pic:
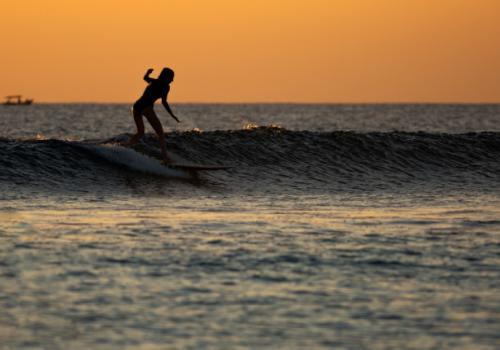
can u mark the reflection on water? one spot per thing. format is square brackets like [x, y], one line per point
[358, 237]
[291, 272]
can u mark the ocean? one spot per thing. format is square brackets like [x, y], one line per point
[337, 227]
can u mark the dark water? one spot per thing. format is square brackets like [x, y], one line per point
[339, 226]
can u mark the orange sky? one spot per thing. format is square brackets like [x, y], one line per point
[253, 50]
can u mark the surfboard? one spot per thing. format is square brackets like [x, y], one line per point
[197, 167]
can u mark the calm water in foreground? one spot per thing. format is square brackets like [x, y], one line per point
[341, 226]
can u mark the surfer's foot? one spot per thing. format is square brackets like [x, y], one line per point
[132, 140]
[166, 158]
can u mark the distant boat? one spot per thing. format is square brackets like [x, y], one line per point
[16, 100]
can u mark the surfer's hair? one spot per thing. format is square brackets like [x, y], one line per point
[166, 74]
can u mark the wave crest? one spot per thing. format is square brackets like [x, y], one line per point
[270, 154]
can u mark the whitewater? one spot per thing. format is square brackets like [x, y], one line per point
[338, 226]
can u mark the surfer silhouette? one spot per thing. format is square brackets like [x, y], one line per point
[157, 88]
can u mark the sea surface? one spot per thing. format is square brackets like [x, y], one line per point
[337, 227]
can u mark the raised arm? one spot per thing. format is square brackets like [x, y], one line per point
[146, 76]
[167, 107]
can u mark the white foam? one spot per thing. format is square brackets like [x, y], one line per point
[134, 160]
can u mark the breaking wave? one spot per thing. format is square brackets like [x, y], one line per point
[268, 155]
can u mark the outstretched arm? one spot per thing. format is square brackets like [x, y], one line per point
[167, 107]
[146, 76]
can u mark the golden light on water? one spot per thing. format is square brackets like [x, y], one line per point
[83, 225]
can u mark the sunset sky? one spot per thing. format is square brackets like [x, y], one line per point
[253, 50]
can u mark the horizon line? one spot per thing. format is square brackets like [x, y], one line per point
[291, 103]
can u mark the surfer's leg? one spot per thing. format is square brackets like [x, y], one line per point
[139, 123]
[156, 124]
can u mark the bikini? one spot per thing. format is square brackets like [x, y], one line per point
[153, 91]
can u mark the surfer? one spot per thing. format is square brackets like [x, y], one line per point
[157, 88]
